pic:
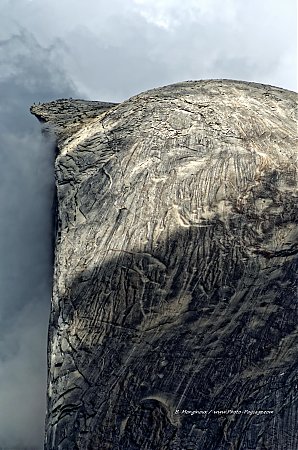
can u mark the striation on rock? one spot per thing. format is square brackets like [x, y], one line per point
[174, 320]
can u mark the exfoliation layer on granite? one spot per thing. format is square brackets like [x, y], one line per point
[175, 313]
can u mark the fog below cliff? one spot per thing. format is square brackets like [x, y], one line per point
[26, 197]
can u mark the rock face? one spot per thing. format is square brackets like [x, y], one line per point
[174, 322]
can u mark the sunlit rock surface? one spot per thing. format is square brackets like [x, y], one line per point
[174, 322]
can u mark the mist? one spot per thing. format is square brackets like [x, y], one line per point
[26, 198]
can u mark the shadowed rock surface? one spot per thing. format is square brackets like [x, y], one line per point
[175, 271]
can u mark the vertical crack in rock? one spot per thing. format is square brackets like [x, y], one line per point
[174, 311]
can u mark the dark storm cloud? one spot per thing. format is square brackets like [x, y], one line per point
[28, 73]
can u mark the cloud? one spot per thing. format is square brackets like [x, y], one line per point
[28, 73]
[116, 49]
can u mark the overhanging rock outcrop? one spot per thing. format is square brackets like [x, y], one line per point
[174, 312]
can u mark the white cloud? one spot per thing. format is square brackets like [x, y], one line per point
[115, 49]
[173, 12]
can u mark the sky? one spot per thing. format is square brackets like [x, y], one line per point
[109, 51]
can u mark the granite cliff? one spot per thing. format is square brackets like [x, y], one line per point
[174, 319]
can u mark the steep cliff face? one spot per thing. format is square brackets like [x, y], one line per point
[174, 312]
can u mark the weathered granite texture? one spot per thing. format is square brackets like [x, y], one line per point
[65, 117]
[175, 271]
